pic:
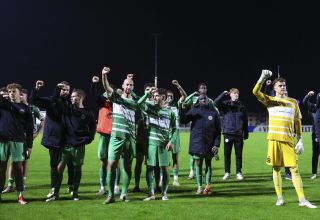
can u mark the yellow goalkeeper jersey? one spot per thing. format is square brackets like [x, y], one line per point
[284, 116]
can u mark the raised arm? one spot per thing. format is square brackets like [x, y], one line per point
[105, 82]
[7, 104]
[318, 101]
[130, 76]
[218, 99]
[181, 90]
[306, 101]
[99, 98]
[34, 96]
[94, 87]
[146, 95]
[189, 98]
[257, 89]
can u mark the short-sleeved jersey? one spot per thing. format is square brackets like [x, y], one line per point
[123, 115]
[283, 116]
[162, 124]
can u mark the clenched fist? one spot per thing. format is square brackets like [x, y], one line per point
[311, 93]
[95, 79]
[39, 84]
[105, 70]
[265, 74]
[130, 76]
[175, 82]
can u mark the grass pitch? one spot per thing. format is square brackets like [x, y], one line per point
[252, 198]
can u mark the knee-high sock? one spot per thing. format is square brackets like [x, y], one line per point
[208, 175]
[191, 163]
[297, 182]
[175, 166]
[126, 176]
[3, 170]
[208, 170]
[165, 181]
[111, 175]
[77, 178]
[10, 181]
[199, 172]
[117, 180]
[176, 172]
[150, 170]
[102, 176]
[277, 181]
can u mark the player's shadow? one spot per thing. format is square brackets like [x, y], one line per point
[232, 193]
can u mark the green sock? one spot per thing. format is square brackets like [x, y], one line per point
[191, 163]
[165, 181]
[102, 176]
[175, 172]
[199, 175]
[150, 179]
[208, 175]
[110, 180]
[10, 182]
[126, 177]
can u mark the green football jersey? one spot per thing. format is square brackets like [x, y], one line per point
[175, 110]
[124, 116]
[162, 123]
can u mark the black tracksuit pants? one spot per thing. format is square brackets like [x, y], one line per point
[237, 142]
[55, 154]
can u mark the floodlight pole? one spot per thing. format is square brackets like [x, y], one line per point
[156, 59]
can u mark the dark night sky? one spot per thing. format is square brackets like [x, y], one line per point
[222, 44]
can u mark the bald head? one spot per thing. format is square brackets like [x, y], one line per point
[127, 86]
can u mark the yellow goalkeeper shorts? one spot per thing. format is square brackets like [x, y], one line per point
[281, 154]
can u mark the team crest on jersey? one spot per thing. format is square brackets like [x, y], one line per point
[83, 117]
[210, 117]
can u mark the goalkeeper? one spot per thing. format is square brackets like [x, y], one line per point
[284, 119]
